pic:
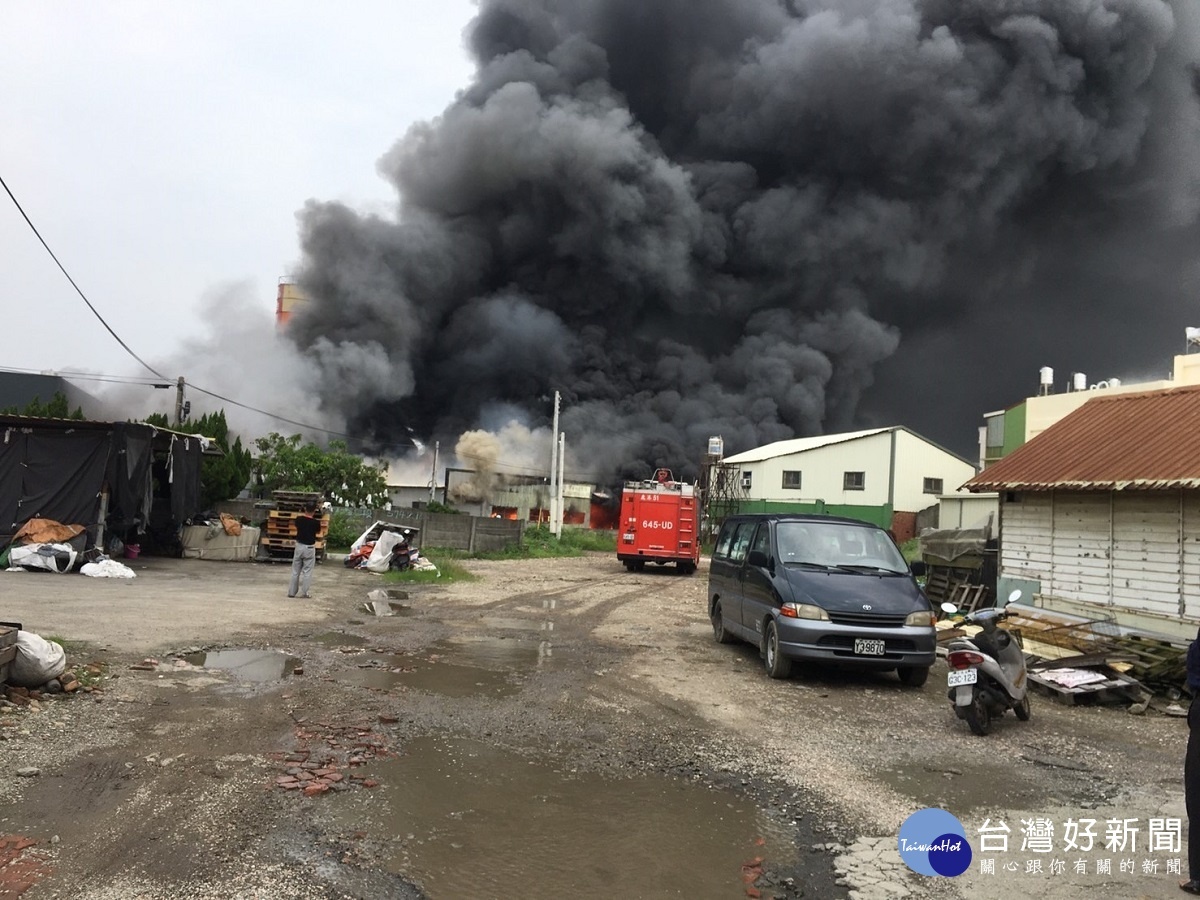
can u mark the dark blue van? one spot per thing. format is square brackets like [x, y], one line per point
[821, 589]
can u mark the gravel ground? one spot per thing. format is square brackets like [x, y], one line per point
[162, 785]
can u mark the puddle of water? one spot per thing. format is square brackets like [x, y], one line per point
[506, 622]
[468, 668]
[490, 651]
[339, 639]
[962, 787]
[467, 819]
[249, 665]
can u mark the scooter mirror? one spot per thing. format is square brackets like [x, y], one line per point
[1014, 596]
[949, 608]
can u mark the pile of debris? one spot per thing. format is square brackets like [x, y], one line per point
[1076, 660]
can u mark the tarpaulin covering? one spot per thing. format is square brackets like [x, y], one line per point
[53, 469]
[51, 474]
[46, 531]
[130, 489]
[962, 547]
[185, 477]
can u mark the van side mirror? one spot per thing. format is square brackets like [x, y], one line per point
[759, 558]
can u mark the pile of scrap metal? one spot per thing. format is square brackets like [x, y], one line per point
[1076, 660]
[388, 546]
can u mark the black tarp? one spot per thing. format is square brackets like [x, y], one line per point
[129, 482]
[55, 469]
[51, 474]
[185, 477]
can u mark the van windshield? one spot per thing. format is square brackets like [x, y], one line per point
[834, 545]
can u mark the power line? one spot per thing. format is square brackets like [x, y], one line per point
[62, 269]
[148, 367]
[270, 415]
[126, 347]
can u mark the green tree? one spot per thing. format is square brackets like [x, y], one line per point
[57, 408]
[284, 464]
[221, 477]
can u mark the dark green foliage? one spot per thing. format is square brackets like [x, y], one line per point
[344, 529]
[57, 408]
[342, 477]
[221, 477]
[436, 507]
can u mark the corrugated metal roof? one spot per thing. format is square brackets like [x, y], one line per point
[7, 420]
[1142, 441]
[799, 445]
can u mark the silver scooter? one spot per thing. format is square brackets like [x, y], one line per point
[987, 671]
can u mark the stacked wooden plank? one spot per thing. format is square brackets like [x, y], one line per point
[8, 649]
[279, 531]
[1152, 661]
[1106, 687]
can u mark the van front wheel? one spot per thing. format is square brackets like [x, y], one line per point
[913, 676]
[778, 665]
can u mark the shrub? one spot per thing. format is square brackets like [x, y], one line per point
[344, 529]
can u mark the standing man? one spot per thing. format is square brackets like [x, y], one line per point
[304, 557]
[1191, 770]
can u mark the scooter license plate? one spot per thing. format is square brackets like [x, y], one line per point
[868, 648]
[966, 676]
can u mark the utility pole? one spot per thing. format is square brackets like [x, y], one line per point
[433, 478]
[554, 466]
[562, 456]
[179, 402]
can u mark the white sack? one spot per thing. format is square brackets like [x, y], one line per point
[43, 556]
[381, 557]
[37, 661]
[107, 568]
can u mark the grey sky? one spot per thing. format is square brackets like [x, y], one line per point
[163, 150]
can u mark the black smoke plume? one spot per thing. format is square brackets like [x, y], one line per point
[765, 219]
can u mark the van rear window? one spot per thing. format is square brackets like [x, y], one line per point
[741, 541]
[724, 541]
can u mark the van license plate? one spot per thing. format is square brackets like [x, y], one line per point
[966, 676]
[868, 648]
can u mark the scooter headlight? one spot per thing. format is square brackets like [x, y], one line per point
[921, 617]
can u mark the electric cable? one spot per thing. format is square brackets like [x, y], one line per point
[62, 269]
[159, 375]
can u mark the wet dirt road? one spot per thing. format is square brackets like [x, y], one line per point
[554, 728]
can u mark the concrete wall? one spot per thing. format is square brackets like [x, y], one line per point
[968, 511]
[918, 460]
[471, 533]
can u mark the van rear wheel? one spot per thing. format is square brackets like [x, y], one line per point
[778, 665]
[720, 635]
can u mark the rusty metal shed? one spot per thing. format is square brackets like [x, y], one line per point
[1100, 513]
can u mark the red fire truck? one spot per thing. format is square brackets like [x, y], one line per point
[660, 523]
